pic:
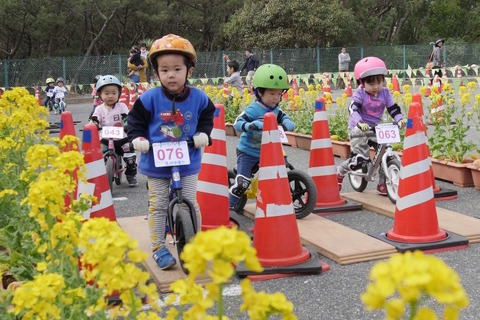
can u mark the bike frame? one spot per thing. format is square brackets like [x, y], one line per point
[115, 157]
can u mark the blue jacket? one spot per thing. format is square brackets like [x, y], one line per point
[152, 117]
[251, 141]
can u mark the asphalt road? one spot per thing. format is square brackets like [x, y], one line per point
[334, 294]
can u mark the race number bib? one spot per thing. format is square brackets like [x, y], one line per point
[112, 132]
[50, 94]
[169, 154]
[387, 133]
[283, 136]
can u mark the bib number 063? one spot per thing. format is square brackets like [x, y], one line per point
[169, 154]
[387, 133]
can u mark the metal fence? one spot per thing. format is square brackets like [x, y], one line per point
[34, 72]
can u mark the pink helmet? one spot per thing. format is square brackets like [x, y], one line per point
[369, 66]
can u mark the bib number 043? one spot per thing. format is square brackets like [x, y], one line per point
[387, 133]
[169, 154]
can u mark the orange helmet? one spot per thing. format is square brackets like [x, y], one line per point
[172, 43]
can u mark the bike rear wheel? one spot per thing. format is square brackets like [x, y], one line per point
[183, 232]
[304, 193]
[393, 171]
[243, 199]
[109, 167]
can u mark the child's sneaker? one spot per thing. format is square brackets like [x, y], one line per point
[382, 189]
[132, 181]
[340, 180]
[164, 258]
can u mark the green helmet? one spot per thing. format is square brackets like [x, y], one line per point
[270, 76]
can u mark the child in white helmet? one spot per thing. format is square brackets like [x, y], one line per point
[114, 114]
[50, 93]
[59, 91]
[366, 109]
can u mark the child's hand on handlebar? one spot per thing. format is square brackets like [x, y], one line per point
[402, 123]
[200, 139]
[363, 126]
[141, 144]
[255, 125]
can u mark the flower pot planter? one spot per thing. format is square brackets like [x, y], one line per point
[475, 175]
[457, 173]
[292, 138]
[229, 129]
[341, 149]
[303, 141]
[237, 133]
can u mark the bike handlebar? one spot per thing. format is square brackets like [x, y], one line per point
[190, 143]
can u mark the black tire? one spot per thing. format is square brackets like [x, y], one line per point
[50, 105]
[358, 183]
[183, 233]
[393, 170]
[118, 179]
[243, 200]
[304, 193]
[109, 167]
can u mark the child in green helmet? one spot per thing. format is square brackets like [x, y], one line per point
[269, 84]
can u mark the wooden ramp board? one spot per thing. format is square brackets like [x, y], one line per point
[137, 228]
[448, 220]
[336, 242]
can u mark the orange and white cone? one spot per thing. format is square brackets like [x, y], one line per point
[276, 237]
[348, 89]
[212, 186]
[326, 88]
[322, 165]
[459, 72]
[225, 91]
[140, 90]
[416, 223]
[439, 193]
[37, 95]
[428, 91]
[396, 85]
[96, 175]
[133, 96]
[124, 98]
[436, 83]
[295, 87]
[67, 128]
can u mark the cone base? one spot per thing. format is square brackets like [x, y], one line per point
[444, 194]
[230, 224]
[451, 242]
[311, 265]
[348, 205]
[325, 268]
[330, 204]
[287, 261]
[439, 236]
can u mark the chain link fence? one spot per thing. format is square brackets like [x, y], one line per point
[81, 71]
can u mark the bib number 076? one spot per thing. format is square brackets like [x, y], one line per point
[169, 154]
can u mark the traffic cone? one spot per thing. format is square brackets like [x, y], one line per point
[133, 96]
[436, 83]
[348, 89]
[461, 85]
[295, 87]
[396, 85]
[459, 72]
[37, 95]
[276, 237]
[439, 193]
[212, 186]
[427, 73]
[322, 166]
[243, 85]
[124, 98]
[140, 90]
[428, 91]
[416, 223]
[225, 91]
[96, 174]
[67, 127]
[327, 87]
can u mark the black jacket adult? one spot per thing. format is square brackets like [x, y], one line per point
[251, 63]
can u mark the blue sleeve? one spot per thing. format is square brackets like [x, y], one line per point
[205, 121]
[138, 119]
[284, 120]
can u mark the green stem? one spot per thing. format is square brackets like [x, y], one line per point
[220, 301]
[134, 308]
[413, 306]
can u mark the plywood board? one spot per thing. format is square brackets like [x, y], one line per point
[339, 243]
[137, 228]
[448, 220]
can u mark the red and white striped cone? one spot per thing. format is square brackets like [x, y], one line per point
[212, 186]
[439, 193]
[416, 223]
[396, 85]
[436, 83]
[428, 91]
[96, 174]
[67, 127]
[348, 88]
[276, 237]
[140, 90]
[326, 88]
[322, 166]
[295, 87]
[225, 91]
[124, 97]
[37, 95]
[459, 72]
[133, 96]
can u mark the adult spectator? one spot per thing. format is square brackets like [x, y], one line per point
[343, 60]
[438, 62]
[137, 65]
[250, 66]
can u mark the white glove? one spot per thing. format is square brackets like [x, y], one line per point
[200, 139]
[141, 144]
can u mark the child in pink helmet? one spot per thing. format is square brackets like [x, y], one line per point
[366, 109]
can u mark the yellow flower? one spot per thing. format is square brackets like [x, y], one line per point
[425, 313]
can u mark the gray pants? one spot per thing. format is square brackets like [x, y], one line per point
[249, 79]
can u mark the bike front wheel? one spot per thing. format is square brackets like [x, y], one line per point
[183, 233]
[358, 183]
[304, 193]
[393, 171]
[110, 168]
